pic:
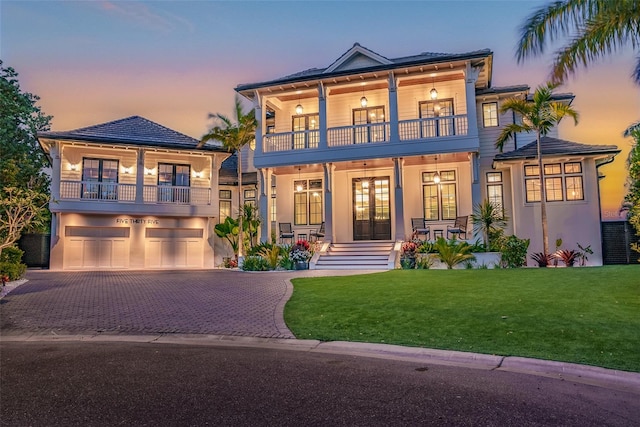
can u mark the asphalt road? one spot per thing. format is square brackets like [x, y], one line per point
[146, 384]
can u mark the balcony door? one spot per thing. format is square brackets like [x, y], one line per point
[440, 121]
[305, 131]
[173, 183]
[99, 179]
[368, 125]
[371, 209]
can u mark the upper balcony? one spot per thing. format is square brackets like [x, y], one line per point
[367, 106]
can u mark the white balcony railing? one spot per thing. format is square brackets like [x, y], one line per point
[436, 127]
[152, 194]
[177, 195]
[97, 191]
[299, 140]
[358, 134]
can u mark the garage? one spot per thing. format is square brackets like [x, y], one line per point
[174, 247]
[96, 247]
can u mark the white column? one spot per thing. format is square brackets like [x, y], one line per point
[265, 200]
[140, 178]
[260, 117]
[474, 166]
[55, 153]
[322, 117]
[471, 76]
[329, 170]
[398, 172]
[393, 109]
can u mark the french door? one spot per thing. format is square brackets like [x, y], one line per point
[371, 209]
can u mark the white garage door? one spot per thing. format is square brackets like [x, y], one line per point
[96, 247]
[174, 247]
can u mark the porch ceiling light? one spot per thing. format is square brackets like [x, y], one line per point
[436, 177]
[434, 92]
[363, 100]
[365, 181]
[299, 187]
[299, 109]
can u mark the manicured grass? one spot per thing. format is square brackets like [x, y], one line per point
[581, 315]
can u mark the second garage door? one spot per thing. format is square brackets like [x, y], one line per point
[174, 247]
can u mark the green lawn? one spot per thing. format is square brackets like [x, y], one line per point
[580, 315]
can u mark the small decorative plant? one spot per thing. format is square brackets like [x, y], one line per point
[453, 252]
[514, 252]
[408, 255]
[542, 259]
[567, 256]
[582, 254]
[300, 251]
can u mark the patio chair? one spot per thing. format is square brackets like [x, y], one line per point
[286, 232]
[420, 228]
[314, 235]
[459, 227]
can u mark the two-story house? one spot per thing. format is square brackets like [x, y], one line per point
[368, 143]
[132, 194]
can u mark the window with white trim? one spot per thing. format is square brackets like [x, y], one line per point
[225, 204]
[490, 114]
[307, 202]
[439, 199]
[563, 181]
[495, 190]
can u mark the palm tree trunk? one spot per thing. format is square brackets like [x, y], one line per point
[543, 200]
[240, 203]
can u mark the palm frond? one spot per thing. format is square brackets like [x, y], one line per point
[507, 133]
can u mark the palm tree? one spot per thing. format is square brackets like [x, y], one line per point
[539, 115]
[489, 219]
[234, 136]
[595, 28]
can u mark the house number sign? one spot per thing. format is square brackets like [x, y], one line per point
[137, 221]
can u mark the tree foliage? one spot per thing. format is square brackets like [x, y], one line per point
[594, 28]
[24, 187]
[234, 135]
[538, 116]
[633, 195]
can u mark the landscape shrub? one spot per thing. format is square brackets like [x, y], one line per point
[453, 252]
[11, 254]
[255, 263]
[514, 252]
[13, 270]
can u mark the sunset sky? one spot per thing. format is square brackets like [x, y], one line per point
[174, 62]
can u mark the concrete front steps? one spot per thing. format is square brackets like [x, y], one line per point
[369, 255]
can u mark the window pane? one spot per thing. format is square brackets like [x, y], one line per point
[449, 210]
[490, 114]
[183, 175]
[225, 209]
[225, 194]
[315, 184]
[553, 169]
[574, 188]
[250, 194]
[90, 170]
[300, 208]
[315, 207]
[165, 174]
[553, 189]
[273, 210]
[430, 200]
[428, 176]
[533, 190]
[494, 194]
[573, 167]
[362, 201]
[300, 185]
[447, 176]
[109, 171]
[531, 170]
[381, 188]
[494, 176]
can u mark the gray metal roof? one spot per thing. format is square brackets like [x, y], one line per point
[556, 147]
[134, 130]
[503, 89]
[314, 73]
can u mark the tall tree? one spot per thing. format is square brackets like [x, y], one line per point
[594, 27]
[539, 115]
[234, 135]
[633, 194]
[24, 186]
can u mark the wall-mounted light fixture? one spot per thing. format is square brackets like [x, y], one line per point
[127, 170]
[197, 174]
[148, 171]
[73, 166]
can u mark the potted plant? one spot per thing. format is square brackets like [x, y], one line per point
[300, 254]
[408, 256]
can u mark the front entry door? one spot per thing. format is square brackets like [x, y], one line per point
[371, 209]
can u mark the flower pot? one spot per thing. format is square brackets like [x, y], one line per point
[302, 265]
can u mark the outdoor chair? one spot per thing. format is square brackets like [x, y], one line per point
[459, 227]
[420, 228]
[315, 235]
[286, 232]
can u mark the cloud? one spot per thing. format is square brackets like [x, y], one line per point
[141, 14]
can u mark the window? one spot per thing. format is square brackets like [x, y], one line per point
[176, 178]
[305, 131]
[495, 190]
[250, 197]
[307, 202]
[225, 204]
[490, 114]
[99, 179]
[562, 182]
[369, 124]
[439, 200]
[438, 113]
[274, 217]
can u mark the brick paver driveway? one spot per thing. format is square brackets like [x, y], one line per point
[216, 302]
